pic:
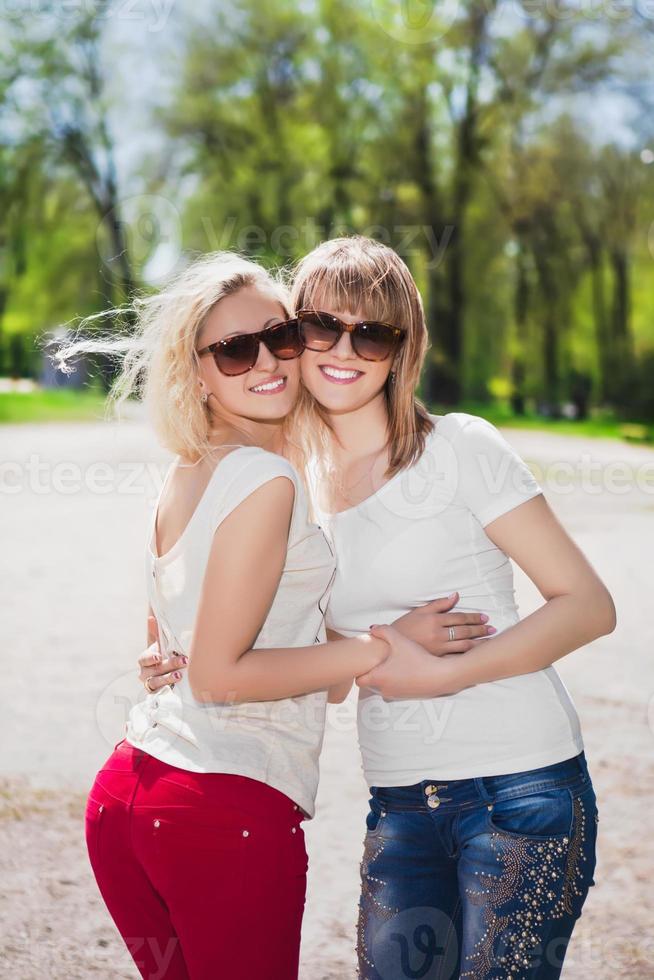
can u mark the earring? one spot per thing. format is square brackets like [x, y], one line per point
[391, 377]
[204, 397]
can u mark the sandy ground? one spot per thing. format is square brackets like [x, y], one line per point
[75, 500]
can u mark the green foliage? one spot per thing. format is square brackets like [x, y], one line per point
[51, 406]
[457, 143]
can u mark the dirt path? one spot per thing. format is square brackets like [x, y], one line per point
[75, 502]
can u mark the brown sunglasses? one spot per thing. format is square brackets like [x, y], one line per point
[371, 340]
[238, 354]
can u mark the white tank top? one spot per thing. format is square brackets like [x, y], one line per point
[276, 742]
[421, 536]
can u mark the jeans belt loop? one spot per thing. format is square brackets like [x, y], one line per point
[481, 789]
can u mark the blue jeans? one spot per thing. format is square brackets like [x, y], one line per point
[476, 878]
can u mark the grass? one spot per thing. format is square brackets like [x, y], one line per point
[599, 425]
[57, 405]
[67, 405]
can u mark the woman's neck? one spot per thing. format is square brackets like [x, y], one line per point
[249, 432]
[362, 432]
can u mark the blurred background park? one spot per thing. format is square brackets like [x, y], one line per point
[506, 150]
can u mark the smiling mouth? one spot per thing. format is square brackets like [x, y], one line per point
[272, 387]
[340, 376]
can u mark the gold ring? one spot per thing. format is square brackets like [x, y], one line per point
[147, 685]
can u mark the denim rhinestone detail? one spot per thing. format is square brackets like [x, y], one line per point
[370, 886]
[533, 879]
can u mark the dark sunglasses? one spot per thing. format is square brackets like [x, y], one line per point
[238, 354]
[371, 340]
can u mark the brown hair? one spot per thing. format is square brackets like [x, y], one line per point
[365, 277]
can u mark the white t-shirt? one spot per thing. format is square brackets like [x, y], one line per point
[276, 742]
[421, 536]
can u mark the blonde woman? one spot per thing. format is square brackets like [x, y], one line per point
[480, 842]
[193, 823]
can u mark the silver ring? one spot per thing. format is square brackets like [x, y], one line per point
[450, 631]
[147, 685]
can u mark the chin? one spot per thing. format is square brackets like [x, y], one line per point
[272, 408]
[337, 399]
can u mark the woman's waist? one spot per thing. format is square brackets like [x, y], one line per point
[517, 712]
[430, 794]
[178, 779]
[300, 719]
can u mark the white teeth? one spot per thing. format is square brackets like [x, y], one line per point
[341, 375]
[270, 385]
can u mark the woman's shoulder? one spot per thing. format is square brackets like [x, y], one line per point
[491, 476]
[247, 468]
[242, 471]
[255, 459]
[453, 423]
[467, 433]
[469, 438]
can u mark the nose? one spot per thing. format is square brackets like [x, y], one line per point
[265, 360]
[343, 350]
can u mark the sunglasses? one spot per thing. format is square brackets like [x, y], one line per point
[238, 354]
[371, 340]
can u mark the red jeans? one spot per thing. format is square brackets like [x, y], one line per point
[204, 874]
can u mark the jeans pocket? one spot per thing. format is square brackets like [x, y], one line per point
[544, 815]
[375, 819]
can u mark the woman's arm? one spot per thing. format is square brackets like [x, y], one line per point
[578, 609]
[245, 565]
[337, 693]
[152, 631]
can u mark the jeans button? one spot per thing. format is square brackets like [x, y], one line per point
[433, 802]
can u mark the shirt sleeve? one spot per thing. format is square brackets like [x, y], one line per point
[492, 478]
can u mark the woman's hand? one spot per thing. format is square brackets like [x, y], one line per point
[160, 671]
[157, 670]
[429, 625]
[409, 671]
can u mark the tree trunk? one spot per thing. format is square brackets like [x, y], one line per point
[620, 323]
[520, 313]
[602, 337]
[550, 338]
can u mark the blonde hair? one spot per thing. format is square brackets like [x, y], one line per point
[364, 277]
[157, 354]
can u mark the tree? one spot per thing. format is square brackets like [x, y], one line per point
[55, 94]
